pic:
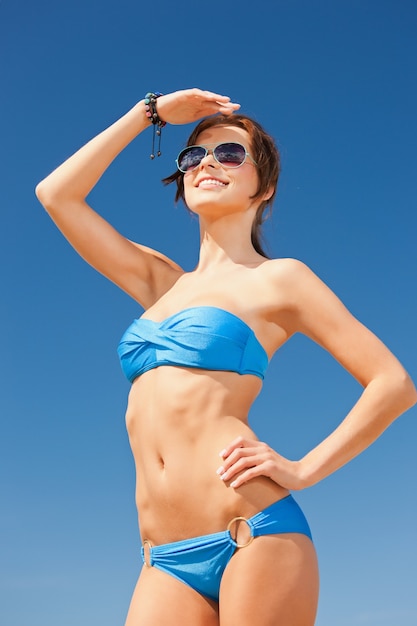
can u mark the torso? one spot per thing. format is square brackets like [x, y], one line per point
[179, 419]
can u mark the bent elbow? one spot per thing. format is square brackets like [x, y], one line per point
[412, 392]
[41, 192]
[406, 390]
[45, 196]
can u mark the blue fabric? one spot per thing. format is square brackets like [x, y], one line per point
[201, 561]
[203, 337]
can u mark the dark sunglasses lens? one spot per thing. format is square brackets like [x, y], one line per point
[230, 154]
[190, 157]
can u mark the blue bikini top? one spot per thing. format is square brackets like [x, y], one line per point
[202, 337]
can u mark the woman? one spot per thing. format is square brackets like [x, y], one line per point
[223, 541]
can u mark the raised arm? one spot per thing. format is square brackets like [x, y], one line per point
[388, 390]
[140, 271]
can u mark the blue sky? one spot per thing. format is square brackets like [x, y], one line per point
[335, 83]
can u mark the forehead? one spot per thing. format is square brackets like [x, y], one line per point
[219, 134]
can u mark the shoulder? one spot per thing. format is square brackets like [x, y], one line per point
[289, 274]
[284, 266]
[297, 289]
[314, 309]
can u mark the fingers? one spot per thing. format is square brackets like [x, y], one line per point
[249, 474]
[208, 95]
[189, 105]
[243, 460]
[248, 466]
[217, 97]
[236, 462]
[229, 108]
[222, 104]
[209, 103]
[239, 442]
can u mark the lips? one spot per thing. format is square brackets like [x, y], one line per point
[207, 182]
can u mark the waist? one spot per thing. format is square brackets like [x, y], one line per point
[178, 491]
[177, 513]
[178, 421]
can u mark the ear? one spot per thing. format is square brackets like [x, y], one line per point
[268, 194]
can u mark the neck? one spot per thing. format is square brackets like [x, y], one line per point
[227, 241]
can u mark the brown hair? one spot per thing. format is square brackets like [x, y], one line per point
[263, 151]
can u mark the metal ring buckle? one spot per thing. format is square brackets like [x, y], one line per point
[149, 545]
[240, 519]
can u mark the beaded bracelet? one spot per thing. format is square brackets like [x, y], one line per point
[158, 124]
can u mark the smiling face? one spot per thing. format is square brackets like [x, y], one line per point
[263, 150]
[214, 189]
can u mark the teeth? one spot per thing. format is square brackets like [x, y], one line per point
[212, 181]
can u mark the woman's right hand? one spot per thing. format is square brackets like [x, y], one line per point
[189, 105]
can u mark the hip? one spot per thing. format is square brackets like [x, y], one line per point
[174, 504]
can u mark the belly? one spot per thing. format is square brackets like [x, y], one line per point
[178, 421]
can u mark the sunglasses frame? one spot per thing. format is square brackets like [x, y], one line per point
[212, 150]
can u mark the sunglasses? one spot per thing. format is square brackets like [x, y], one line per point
[227, 154]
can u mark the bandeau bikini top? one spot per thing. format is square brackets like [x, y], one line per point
[202, 337]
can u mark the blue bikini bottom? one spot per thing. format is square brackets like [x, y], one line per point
[200, 562]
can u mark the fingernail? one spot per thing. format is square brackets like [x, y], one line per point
[233, 484]
[220, 471]
[222, 453]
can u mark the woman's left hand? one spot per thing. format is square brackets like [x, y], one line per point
[245, 459]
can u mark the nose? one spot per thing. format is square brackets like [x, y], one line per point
[208, 159]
